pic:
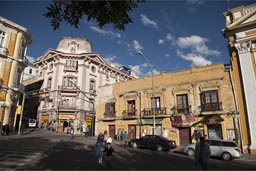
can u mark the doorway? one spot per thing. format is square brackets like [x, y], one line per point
[112, 130]
[184, 135]
[132, 131]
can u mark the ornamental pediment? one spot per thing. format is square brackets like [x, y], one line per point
[247, 17]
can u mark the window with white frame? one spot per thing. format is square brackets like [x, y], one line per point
[71, 64]
[70, 81]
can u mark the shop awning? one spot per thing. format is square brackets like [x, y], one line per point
[210, 119]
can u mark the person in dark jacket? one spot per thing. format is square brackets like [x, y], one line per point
[202, 154]
[108, 150]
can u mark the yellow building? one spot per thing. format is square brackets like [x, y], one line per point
[14, 40]
[198, 99]
[241, 34]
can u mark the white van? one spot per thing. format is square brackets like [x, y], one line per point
[31, 123]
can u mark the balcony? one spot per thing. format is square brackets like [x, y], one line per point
[177, 110]
[68, 106]
[211, 107]
[182, 120]
[129, 114]
[71, 69]
[158, 111]
[109, 115]
[68, 88]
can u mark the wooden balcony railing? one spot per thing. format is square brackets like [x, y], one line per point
[178, 110]
[211, 107]
[158, 111]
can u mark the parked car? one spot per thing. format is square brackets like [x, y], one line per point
[154, 142]
[226, 150]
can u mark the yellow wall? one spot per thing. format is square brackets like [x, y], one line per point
[167, 85]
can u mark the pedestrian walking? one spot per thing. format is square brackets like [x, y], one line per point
[125, 139]
[108, 150]
[84, 129]
[99, 151]
[100, 137]
[105, 138]
[118, 135]
[6, 129]
[202, 154]
[122, 134]
[72, 132]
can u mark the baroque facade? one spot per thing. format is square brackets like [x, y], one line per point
[241, 34]
[71, 75]
[14, 40]
[186, 102]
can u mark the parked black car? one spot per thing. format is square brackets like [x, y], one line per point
[154, 142]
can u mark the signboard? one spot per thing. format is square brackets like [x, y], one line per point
[88, 120]
[18, 110]
[125, 70]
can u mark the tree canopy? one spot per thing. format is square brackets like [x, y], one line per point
[104, 12]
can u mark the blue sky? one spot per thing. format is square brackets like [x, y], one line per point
[173, 35]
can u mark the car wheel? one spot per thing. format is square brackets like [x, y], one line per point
[226, 156]
[191, 152]
[159, 148]
[134, 145]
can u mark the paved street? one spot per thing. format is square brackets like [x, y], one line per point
[45, 150]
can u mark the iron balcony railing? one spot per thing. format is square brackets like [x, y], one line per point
[129, 113]
[158, 111]
[64, 87]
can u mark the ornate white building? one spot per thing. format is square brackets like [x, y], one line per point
[72, 73]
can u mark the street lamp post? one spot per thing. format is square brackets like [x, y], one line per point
[153, 90]
[234, 116]
[22, 110]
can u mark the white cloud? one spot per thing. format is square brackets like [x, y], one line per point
[30, 59]
[136, 69]
[105, 32]
[137, 46]
[167, 55]
[196, 60]
[110, 58]
[171, 38]
[155, 72]
[160, 41]
[140, 69]
[197, 44]
[147, 22]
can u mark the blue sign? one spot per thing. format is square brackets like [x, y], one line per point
[125, 70]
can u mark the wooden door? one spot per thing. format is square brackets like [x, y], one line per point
[112, 131]
[184, 135]
[132, 131]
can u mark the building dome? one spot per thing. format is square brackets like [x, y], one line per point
[74, 45]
